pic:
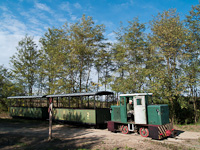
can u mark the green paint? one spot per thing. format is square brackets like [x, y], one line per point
[90, 116]
[103, 115]
[37, 112]
[115, 113]
[119, 113]
[123, 110]
[158, 114]
[75, 115]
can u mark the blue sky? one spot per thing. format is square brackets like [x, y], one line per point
[34, 17]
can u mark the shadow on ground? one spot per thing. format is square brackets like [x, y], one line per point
[178, 132]
[9, 141]
[31, 135]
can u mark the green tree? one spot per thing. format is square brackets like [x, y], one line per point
[68, 55]
[168, 39]
[7, 88]
[85, 38]
[192, 63]
[107, 67]
[104, 66]
[24, 63]
[52, 61]
[128, 57]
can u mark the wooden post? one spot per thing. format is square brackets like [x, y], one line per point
[106, 101]
[69, 101]
[94, 103]
[57, 102]
[88, 102]
[81, 101]
[77, 100]
[50, 117]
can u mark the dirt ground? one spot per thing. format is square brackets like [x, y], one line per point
[32, 134]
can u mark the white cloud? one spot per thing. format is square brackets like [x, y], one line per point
[33, 21]
[43, 7]
[11, 24]
[108, 24]
[73, 17]
[8, 44]
[66, 7]
[77, 5]
[62, 19]
[150, 7]
[4, 8]
[38, 21]
[12, 30]
[112, 37]
[127, 4]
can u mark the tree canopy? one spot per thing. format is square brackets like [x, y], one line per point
[164, 60]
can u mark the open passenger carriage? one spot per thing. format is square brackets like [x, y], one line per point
[85, 108]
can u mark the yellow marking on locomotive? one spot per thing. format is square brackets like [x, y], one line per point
[163, 128]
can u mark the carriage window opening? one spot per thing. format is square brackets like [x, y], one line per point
[139, 101]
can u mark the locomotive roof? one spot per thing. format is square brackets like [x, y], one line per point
[136, 94]
[63, 95]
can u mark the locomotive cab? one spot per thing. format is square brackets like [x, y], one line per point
[132, 108]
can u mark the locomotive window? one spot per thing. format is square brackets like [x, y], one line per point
[139, 101]
[122, 101]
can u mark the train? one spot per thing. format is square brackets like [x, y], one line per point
[132, 113]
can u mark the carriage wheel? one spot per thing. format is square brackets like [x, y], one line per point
[144, 132]
[124, 129]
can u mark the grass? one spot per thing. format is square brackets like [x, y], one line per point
[21, 144]
[171, 146]
[128, 148]
[188, 127]
[116, 148]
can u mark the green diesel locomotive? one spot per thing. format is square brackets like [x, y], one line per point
[134, 114]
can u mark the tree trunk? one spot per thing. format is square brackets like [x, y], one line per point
[195, 106]
[195, 111]
[88, 80]
[50, 119]
[80, 81]
[172, 110]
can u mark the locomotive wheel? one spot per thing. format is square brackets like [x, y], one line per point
[124, 129]
[144, 132]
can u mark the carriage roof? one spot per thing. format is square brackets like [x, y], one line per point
[63, 95]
